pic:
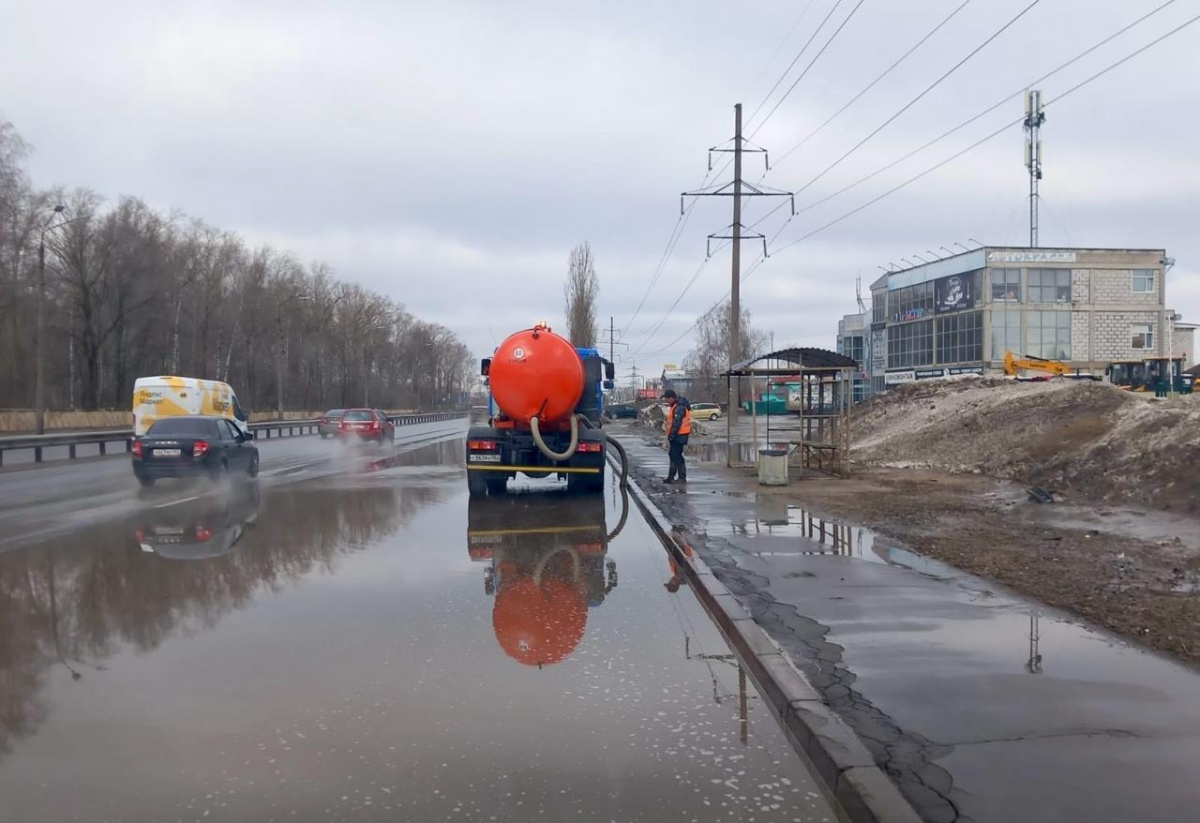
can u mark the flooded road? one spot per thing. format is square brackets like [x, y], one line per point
[371, 645]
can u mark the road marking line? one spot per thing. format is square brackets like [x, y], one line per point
[177, 502]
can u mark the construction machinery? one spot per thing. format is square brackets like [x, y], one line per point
[1046, 368]
[1152, 374]
[545, 414]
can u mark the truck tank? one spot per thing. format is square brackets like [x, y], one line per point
[537, 373]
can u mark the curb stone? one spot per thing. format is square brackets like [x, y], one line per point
[841, 760]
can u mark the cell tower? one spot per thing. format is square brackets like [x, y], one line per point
[1035, 115]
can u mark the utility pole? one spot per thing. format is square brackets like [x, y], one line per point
[612, 341]
[1035, 115]
[737, 189]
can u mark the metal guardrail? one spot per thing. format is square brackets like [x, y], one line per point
[39, 442]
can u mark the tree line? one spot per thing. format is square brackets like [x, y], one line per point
[130, 291]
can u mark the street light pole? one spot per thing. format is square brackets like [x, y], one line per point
[39, 388]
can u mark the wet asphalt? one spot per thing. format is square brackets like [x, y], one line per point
[351, 638]
[980, 704]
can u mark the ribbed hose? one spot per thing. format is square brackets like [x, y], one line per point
[546, 450]
[616, 444]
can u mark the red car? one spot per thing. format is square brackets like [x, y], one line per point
[367, 424]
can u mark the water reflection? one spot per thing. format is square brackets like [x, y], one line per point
[546, 565]
[77, 600]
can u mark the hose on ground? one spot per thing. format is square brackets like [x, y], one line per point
[546, 450]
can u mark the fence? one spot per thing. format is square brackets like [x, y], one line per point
[103, 439]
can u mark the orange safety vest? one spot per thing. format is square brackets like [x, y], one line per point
[685, 427]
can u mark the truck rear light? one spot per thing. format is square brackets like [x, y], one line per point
[590, 447]
[200, 448]
[202, 534]
[137, 449]
[483, 445]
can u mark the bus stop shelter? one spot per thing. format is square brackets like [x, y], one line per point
[819, 386]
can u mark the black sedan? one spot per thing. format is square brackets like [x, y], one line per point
[192, 446]
[620, 410]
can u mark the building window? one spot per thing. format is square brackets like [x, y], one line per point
[1048, 334]
[1143, 281]
[1006, 285]
[1049, 285]
[1006, 333]
[911, 302]
[910, 345]
[879, 308]
[1143, 336]
[960, 338]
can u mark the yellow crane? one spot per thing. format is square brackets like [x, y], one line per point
[1013, 366]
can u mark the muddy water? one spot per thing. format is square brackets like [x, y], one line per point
[375, 646]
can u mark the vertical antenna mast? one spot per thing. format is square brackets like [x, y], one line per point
[1035, 115]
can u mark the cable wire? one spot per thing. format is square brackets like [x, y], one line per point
[795, 60]
[811, 63]
[873, 83]
[916, 99]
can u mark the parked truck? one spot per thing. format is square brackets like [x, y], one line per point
[545, 414]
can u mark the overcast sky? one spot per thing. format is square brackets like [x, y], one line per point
[450, 154]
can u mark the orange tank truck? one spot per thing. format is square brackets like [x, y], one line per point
[545, 414]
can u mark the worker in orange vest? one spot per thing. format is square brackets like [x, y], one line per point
[678, 426]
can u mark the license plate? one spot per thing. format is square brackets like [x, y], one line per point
[484, 458]
[167, 452]
[167, 530]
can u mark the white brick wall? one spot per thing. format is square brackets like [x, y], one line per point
[1111, 335]
[1116, 286]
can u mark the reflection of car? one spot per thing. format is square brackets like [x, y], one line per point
[192, 446]
[706, 411]
[546, 557]
[194, 531]
[366, 424]
[619, 410]
[327, 426]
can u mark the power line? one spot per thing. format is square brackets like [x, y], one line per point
[795, 25]
[811, 63]
[991, 136]
[874, 82]
[916, 99]
[978, 116]
[758, 262]
[795, 60]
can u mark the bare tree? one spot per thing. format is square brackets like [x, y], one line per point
[581, 289]
[132, 292]
[710, 356]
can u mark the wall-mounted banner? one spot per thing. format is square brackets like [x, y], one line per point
[1031, 257]
[954, 293]
[895, 378]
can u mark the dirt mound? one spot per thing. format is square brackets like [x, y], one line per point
[1088, 440]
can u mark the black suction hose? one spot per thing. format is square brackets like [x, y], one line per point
[616, 444]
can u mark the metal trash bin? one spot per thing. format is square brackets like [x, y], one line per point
[772, 467]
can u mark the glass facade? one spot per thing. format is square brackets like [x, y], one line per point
[911, 303]
[1006, 285]
[910, 344]
[960, 338]
[1049, 285]
[1048, 334]
[1006, 333]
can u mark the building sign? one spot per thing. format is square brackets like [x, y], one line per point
[895, 378]
[878, 351]
[954, 293]
[942, 371]
[1031, 257]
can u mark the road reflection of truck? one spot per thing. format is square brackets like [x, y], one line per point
[198, 530]
[547, 564]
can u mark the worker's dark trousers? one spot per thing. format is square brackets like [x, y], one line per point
[675, 453]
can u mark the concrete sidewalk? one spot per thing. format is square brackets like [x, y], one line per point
[981, 706]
